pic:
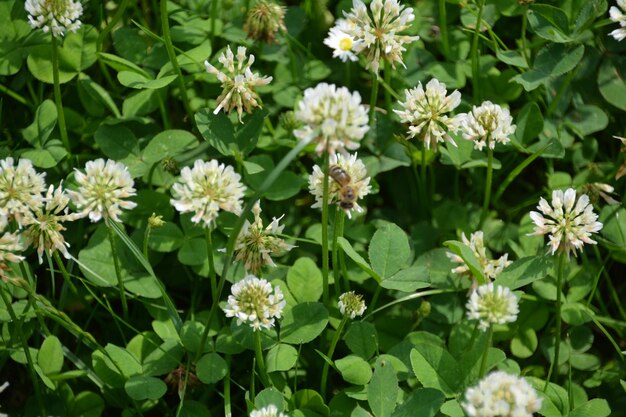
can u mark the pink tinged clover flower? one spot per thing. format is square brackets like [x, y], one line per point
[569, 223]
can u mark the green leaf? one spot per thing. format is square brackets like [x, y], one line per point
[217, 130]
[303, 323]
[286, 186]
[117, 142]
[549, 22]
[524, 343]
[14, 39]
[587, 119]
[358, 259]
[87, 404]
[91, 92]
[166, 238]
[434, 367]
[354, 369]
[305, 280]
[592, 408]
[165, 358]
[423, 402]
[211, 368]
[281, 357]
[389, 250]
[310, 400]
[382, 391]
[466, 253]
[529, 122]
[407, 280]
[576, 314]
[134, 80]
[121, 64]
[168, 144]
[362, 339]
[612, 81]
[525, 271]
[247, 133]
[191, 334]
[50, 356]
[552, 61]
[270, 396]
[140, 387]
[39, 131]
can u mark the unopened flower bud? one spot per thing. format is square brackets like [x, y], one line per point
[264, 20]
[155, 221]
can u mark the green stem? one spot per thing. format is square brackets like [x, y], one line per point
[116, 18]
[339, 221]
[167, 38]
[213, 19]
[525, 53]
[488, 181]
[483, 362]
[209, 253]
[388, 83]
[373, 99]
[443, 27]
[424, 184]
[474, 53]
[66, 275]
[557, 337]
[15, 96]
[329, 355]
[227, 402]
[118, 272]
[146, 239]
[325, 192]
[57, 97]
[29, 359]
[260, 361]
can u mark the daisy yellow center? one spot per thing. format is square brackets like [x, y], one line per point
[345, 44]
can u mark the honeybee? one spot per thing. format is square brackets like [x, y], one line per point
[347, 192]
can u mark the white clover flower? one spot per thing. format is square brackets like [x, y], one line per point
[44, 225]
[619, 16]
[569, 223]
[491, 267]
[351, 304]
[342, 44]
[333, 117]
[377, 33]
[54, 16]
[238, 82]
[501, 395]
[487, 124]
[206, 189]
[265, 20]
[102, 191]
[20, 189]
[256, 245]
[425, 112]
[348, 190]
[256, 302]
[10, 246]
[492, 304]
[267, 411]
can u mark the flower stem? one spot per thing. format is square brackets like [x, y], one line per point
[488, 181]
[339, 221]
[146, 239]
[483, 362]
[557, 326]
[214, 18]
[474, 52]
[260, 361]
[374, 98]
[443, 27]
[388, 83]
[118, 272]
[29, 359]
[57, 97]
[329, 355]
[209, 253]
[426, 202]
[325, 230]
[66, 275]
[227, 402]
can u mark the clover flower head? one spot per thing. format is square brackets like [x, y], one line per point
[103, 190]
[619, 16]
[568, 222]
[265, 20]
[487, 124]
[45, 224]
[238, 82]
[267, 411]
[10, 247]
[332, 117]
[347, 183]
[377, 32]
[206, 189]
[491, 267]
[256, 245]
[342, 44]
[20, 189]
[501, 395]
[492, 304]
[256, 302]
[54, 16]
[425, 113]
[351, 304]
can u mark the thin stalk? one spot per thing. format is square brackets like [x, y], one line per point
[227, 402]
[182, 394]
[167, 39]
[474, 53]
[17, 97]
[57, 97]
[443, 28]
[557, 325]
[214, 18]
[118, 272]
[329, 355]
[488, 181]
[483, 362]
[260, 361]
[66, 275]
[209, 253]
[325, 268]
[23, 341]
[424, 184]
[146, 239]
[112, 23]
[374, 98]
[387, 82]
[339, 221]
